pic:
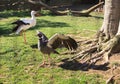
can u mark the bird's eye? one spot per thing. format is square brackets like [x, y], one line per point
[39, 35]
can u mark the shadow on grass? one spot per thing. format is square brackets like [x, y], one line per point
[34, 46]
[7, 14]
[2, 53]
[45, 23]
[75, 65]
[5, 30]
[98, 17]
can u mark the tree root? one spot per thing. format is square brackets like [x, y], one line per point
[111, 79]
[89, 41]
[84, 53]
[89, 56]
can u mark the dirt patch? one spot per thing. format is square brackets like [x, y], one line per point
[106, 70]
[103, 70]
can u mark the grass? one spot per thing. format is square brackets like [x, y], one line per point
[19, 62]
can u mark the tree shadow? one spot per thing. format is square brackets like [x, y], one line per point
[44, 23]
[34, 46]
[75, 66]
[5, 31]
[2, 53]
[98, 17]
[40, 24]
[7, 14]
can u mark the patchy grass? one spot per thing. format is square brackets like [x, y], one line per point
[19, 62]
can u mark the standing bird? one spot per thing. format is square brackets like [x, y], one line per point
[24, 24]
[48, 46]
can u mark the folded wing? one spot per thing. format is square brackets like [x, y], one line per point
[18, 24]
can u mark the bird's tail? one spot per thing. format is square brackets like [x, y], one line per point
[14, 22]
[15, 29]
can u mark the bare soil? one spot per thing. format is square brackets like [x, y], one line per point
[105, 70]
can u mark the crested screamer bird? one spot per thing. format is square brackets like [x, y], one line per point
[48, 46]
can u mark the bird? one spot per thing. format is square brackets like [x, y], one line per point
[24, 24]
[48, 46]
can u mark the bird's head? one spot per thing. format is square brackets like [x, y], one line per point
[35, 13]
[39, 34]
[42, 36]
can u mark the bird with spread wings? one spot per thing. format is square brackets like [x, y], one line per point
[48, 46]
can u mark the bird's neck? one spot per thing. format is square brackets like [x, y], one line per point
[43, 42]
[32, 16]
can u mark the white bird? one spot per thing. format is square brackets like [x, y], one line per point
[24, 24]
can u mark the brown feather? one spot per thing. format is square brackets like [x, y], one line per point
[56, 40]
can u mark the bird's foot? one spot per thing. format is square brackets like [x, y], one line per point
[45, 64]
[41, 65]
[51, 64]
[25, 43]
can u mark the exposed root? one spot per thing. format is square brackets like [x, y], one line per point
[85, 53]
[111, 79]
[86, 40]
[90, 41]
[89, 56]
[68, 52]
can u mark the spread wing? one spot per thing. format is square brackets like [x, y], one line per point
[58, 39]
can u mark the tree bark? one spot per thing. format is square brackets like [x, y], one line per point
[109, 37]
[108, 40]
[111, 18]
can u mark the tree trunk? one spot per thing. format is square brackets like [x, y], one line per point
[108, 39]
[111, 18]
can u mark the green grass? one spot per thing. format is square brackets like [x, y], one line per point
[19, 62]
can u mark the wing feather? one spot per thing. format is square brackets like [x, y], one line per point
[54, 41]
[18, 24]
[73, 43]
[66, 44]
[58, 39]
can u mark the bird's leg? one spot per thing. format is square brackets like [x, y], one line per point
[49, 60]
[21, 33]
[43, 63]
[25, 38]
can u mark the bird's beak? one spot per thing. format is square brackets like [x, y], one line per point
[37, 31]
[37, 34]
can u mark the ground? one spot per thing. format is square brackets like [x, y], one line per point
[105, 71]
[19, 62]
